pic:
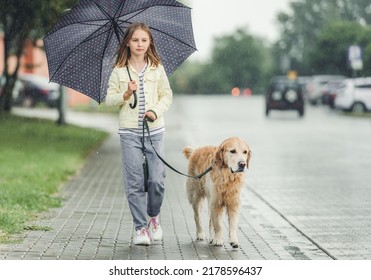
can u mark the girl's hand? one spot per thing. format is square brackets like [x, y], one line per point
[150, 115]
[132, 86]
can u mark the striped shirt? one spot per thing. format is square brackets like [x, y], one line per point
[142, 110]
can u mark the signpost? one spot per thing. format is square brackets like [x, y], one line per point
[355, 58]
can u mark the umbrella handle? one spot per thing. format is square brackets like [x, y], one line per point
[132, 106]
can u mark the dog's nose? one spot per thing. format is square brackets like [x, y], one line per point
[241, 165]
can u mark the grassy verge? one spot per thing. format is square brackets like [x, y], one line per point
[36, 157]
[102, 108]
[359, 115]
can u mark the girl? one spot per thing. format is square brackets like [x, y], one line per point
[137, 55]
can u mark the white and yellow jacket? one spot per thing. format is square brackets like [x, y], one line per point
[157, 91]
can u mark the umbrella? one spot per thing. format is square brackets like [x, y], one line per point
[81, 48]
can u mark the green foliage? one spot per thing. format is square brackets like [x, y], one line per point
[36, 157]
[238, 60]
[329, 54]
[184, 79]
[30, 19]
[19, 21]
[301, 28]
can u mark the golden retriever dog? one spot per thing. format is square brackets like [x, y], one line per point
[221, 186]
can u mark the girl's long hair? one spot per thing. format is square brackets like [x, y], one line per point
[124, 54]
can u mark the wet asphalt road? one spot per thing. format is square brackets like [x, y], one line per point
[314, 172]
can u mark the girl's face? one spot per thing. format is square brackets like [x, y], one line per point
[139, 43]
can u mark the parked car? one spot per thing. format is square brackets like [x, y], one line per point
[329, 92]
[284, 94]
[355, 95]
[17, 87]
[36, 89]
[315, 87]
[303, 81]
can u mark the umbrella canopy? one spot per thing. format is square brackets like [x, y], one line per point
[81, 48]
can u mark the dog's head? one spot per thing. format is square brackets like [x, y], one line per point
[234, 153]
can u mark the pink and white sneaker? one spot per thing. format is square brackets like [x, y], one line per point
[155, 229]
[142, 237]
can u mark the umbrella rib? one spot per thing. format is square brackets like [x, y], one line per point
[84, 41]
[84, 22]
[185, 43]
[101, 9]
[111, 19]
[88, 21]
[119, 10]
[158, 30]
[160, 5]
[101, 66]
[139, 11]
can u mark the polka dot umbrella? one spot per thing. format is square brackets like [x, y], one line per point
[81, 48]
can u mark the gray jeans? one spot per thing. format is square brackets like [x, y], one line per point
[143, 203]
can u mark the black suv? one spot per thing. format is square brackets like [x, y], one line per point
[284, 94]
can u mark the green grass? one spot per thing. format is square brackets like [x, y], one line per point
[36, 157]
[366, 115]
[99, 108]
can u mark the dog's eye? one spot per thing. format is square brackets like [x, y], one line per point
[245, 152]
[232, 151]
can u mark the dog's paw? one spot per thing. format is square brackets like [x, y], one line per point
[216, 242]
[234, 244]
[200, 236]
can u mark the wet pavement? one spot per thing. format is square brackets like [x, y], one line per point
[307, 193]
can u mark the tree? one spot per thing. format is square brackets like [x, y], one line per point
[329, 54]
[237, 60]
[21, 20]
[182, 80]
[301, 27]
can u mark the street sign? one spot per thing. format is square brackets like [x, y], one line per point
[355, 57]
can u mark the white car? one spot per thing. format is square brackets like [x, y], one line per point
[316, 85]
[354, 95]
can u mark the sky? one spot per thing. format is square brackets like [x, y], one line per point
[214, 18]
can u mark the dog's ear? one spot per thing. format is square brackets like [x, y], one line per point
[248, 158]
[219, 157]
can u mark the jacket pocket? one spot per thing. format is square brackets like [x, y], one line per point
[150, 87]
[124, 82]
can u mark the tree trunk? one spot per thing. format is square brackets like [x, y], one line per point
[62, 106]
[6, 98]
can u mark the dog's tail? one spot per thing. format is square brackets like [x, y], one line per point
[187, 151]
